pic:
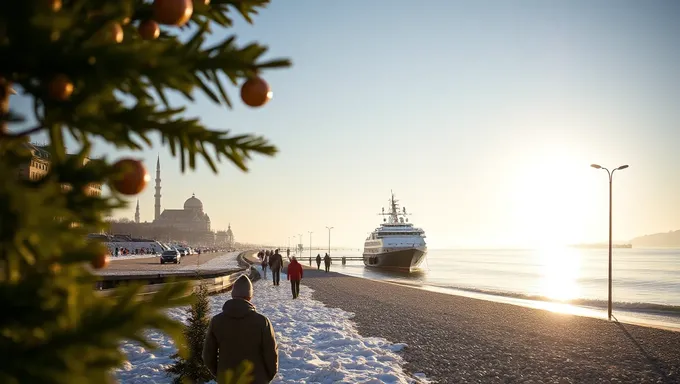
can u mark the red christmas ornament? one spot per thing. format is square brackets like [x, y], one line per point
[100, 261]
[149, 30]
[131, 176]
[60, 88]
[172, 12]
[255, 92]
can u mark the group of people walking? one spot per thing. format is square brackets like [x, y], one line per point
[274, 261]
[326, 262]
[240, 324]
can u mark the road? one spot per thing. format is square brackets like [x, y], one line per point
[153, 264]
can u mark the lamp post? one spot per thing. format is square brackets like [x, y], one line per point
[329, 240]
[611, 175]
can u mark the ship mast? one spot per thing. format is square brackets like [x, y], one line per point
[394, 213]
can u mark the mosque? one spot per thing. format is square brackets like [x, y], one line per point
[190, 223]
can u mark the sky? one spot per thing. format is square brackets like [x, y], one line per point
[482, 116]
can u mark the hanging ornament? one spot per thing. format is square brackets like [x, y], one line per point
[113, 33]
[131, 176]
[60, 88]
[54, 5]
[172, 12]
[255, 92]
[149, 30]
[100, 261]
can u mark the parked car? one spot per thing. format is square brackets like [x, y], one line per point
[171, 256]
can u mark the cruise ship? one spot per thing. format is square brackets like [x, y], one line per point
[396, 244]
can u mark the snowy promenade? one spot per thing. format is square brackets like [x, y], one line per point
[317, 344]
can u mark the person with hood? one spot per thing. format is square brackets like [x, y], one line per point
[275, 264]
[295, 275]
[318, 261]
[327, 262]
[241, 333]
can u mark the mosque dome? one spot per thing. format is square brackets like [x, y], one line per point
[193, 203]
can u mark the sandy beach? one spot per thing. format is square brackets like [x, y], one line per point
[455, 339]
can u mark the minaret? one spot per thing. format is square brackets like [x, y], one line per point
[137, 213]
[157, 206]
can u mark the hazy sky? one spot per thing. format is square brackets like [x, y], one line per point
[482, 116]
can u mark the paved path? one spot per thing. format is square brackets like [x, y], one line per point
[454, 339]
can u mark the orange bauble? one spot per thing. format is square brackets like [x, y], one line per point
[60, 88]
[172, 12]
[55, 5]
[100, 261]
[131, 176]
[255, 92]
[114, 33]
[149, 30]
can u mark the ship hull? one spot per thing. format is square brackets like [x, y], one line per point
[400, 259]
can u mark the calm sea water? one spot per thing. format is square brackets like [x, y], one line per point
[646, 282]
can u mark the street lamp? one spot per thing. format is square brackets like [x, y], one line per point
[329, 240]
[611, 175]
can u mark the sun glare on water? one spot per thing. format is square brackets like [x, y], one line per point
[560, 269]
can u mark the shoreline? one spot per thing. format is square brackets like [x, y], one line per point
[460, 339]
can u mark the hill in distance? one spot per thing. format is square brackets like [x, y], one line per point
[670, 239]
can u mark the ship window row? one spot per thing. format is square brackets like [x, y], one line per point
[399, 234]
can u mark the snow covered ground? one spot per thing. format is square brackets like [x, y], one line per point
[226, 261]
[316, 344]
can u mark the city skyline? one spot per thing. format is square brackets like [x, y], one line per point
[482, 117]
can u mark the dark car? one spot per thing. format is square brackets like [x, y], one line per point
[170, 256]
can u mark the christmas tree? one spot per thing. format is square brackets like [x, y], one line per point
[100, 71]
[192, 368]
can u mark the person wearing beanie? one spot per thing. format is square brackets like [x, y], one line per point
[241, 333]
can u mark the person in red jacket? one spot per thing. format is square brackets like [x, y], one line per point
[295, 275]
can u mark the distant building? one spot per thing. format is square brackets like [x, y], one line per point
[39, 166]
[190, 224]
[225, 238]
[191, 218]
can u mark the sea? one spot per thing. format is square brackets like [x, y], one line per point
[645, 282]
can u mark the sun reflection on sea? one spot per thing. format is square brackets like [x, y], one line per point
[560, 269]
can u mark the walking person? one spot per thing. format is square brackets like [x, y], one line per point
[264, 264]
[275, 264]
[241, 333]
[318, 261]
[288, 253]
[295, 275]
[327, 262]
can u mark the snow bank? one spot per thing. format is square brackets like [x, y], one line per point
[316, 344]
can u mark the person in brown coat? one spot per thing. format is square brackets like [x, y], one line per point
[241, 333]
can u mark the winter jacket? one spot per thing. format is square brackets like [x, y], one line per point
[318, 259]
[294, 270]
[275, 262]
[240, 333]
